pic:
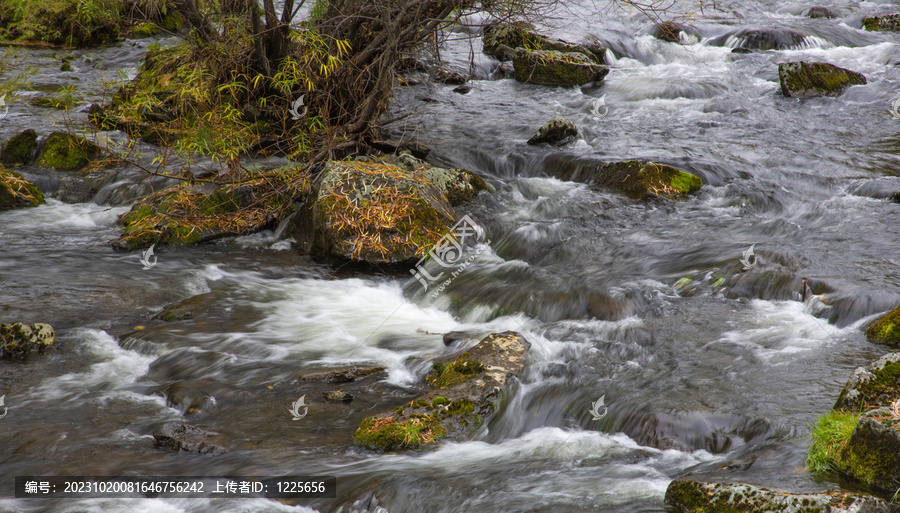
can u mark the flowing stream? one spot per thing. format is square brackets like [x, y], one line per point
[695, 377]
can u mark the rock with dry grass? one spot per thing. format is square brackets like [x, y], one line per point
[16, 191]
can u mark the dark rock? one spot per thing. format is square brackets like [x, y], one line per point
[184, 437]
[690, 496]
[883, 22]
[66, 66]
[872, 454]
[820, 12]
[807, 79]
[455, 336]
[896, 197]
[417, 149]
[873, 386]
[190, 397]
[463, 89]
[343, 375]
[17, 192]
[764, 39]
[636, 178]
[668, 31]
[445, 76]
[741, 49]
[338, 396]
[19, 149]
[65, 152]
[558, 130]
[466, 393]
[885, 330]
[554, 68]
[18, 339]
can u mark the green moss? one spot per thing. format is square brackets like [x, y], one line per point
[460, 407]
[883, 22]
[815, 79]
[638, 178]
[143, 30]
[16, 192]
[886, 330]
[439, 400]
[872, 454]
[48, 103]
[18, 149]
[386, 433]
[65, 152]
[553, 68]
[829, 437]
[448, 374]
[77, 23]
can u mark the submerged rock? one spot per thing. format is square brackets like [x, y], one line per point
[807, 79]
[18, 339]
[467, 391]
[873, 386]
[558, 130]
[386, 210]
[17, 192]
[18, 149]
[184, 437]
[553, 68]
[636, 178]
[883, 22]
[885, 330]
[65, 152]
[690, 496]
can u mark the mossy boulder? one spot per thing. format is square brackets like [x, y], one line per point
[66, 152]
[554, 68]
[638, 179]
[18, 339]
[872, 454]
[185, 214]
[558, 130]
[501, 39]
[886, 330]
[386, 210]
[693, 496]
[883, 22]
[18, 149]
[808, 79]
[17, 192]
[466, 391]
[872, 386]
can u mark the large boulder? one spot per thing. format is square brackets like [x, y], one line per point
[387, 210]
[883, 22]
[18, 339]
[692, 496]
[466, 391]
[807, 79]
[872, 454]
[554, 68]
[66, 152]
[558, 130]
[500, 41]
[886, 330]
[636, 178]
[17, 192]
[872, 386]
[18, 149]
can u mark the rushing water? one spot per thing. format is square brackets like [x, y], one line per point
[694, 378]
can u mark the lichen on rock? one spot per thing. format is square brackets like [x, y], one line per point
[18, 340]
[555, 68]
[872, 386]
[808, 79]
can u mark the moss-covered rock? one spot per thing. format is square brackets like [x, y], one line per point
[807, 79]
[556, 131]
[18, 149]
[873, 386]
[886, 330]
[882, 22]
[382, 211]
[73, 23]
[467, 391]
[17, 192]
[65, 152]
[872, 454]
[188, 214]
[143, 30]
[692, 496]
[636, 178]
[554, 68]
[18, 339]
[501, 39]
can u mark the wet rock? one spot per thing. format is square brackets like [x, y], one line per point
[668, 31]
[190, 397]
[446, 76]
[184, 437]
[466, 391]
[19, 149]
[455, 336]
[636, 178]
[820, 12]
[554, 68]
[417, 149]
[885, 330]
[385, 210]
[883, 22]
[342, 375]
[18, 339]
[65, 152]
[807, 79]
[66, 66]
[338, 396]
[17, 192]
[741, 50]
[690, 496]
[557, 131]
[872, 454]
[765, 39]
[502, 39]
[873, 386]
[463, 89]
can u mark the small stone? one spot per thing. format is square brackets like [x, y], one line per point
[821, 12]
[184, 437]
[19, 339]
[338, 396]
[557, 131]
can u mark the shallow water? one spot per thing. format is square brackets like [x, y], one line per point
[695, 377]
